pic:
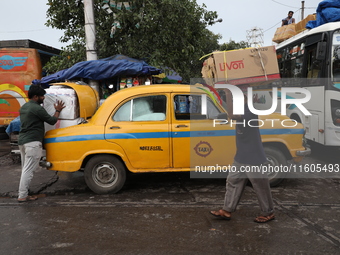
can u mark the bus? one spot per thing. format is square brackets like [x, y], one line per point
[310, 60]
[21, 62]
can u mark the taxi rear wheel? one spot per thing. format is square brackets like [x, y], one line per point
[105, 174]
[277, 159]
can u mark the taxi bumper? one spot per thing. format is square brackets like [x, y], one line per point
[305, 152]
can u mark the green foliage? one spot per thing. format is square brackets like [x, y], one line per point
[232, 45]
[70, 55]
[167, 33]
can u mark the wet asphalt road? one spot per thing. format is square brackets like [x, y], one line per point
[169, 214]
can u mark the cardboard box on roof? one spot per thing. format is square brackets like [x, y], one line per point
[278, 36]
[300, 26]
[209, 71]
[289, 31]
[254, 66]
[285, 32]
[205, 69]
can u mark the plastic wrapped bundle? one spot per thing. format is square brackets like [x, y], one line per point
[68, 96]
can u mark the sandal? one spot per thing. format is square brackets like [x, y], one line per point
[264, 219]
[221, 214]
[28, 198]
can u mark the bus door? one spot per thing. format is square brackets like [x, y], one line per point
[316, 84]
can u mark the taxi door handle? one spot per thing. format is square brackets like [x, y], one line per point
[180, 126]
[114, 127]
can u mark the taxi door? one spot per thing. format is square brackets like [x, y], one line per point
[196, 141]
[140, 126]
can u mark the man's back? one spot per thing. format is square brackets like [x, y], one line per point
[32, 117]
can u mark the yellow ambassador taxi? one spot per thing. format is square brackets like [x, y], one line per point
[161, 128]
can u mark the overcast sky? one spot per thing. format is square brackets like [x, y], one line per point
[242, 15]
[25, 19]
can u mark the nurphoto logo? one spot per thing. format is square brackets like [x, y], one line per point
[238, 102]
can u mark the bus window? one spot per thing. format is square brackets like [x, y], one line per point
[287, 73]
[297, 67]
[290, 61]
[336, 64]
[302, 49]
[336, 71]
[295, 62]
[280, 61]
[313, 65]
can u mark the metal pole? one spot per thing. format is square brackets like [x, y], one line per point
[90, 31]
[302, 10]
[90, 34]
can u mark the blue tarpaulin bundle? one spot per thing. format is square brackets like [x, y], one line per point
[118, 65]
[14, 126]
[327, 11]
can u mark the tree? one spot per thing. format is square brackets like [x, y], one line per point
[164, 33]
[232, 45]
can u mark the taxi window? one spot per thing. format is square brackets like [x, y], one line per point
[190, 107]
[149, 108]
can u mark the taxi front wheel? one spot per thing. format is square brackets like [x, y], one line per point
[105, 174]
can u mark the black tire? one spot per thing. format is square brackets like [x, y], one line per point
[296, 118]
[3, 134]
[275, 158]
[105, 174]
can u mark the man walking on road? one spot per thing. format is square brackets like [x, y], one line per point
[249, 153]
[31, 135]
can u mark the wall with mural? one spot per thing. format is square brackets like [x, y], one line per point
[18, 68]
